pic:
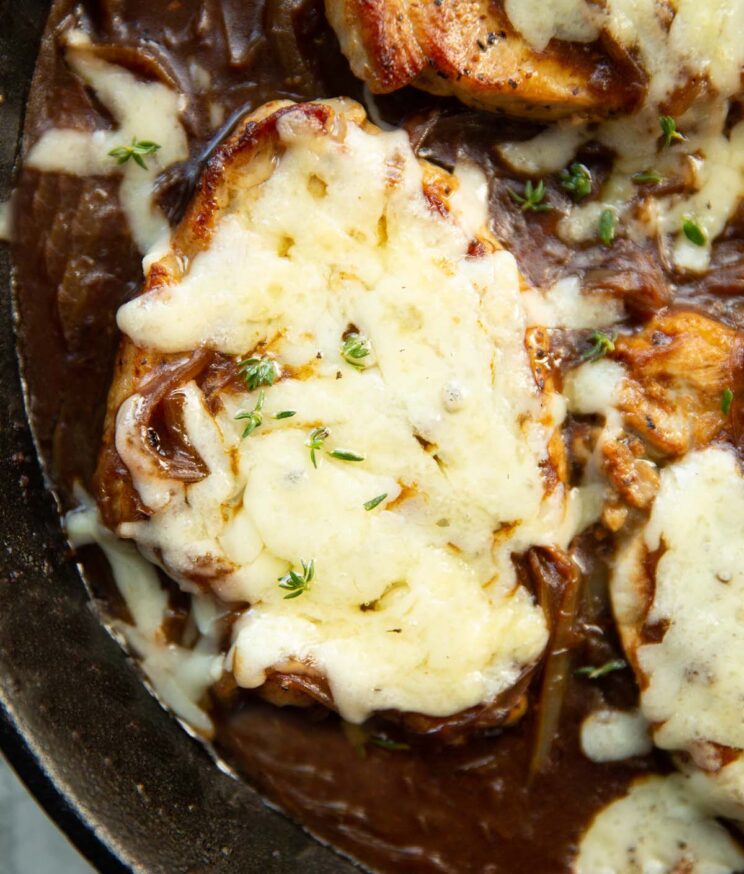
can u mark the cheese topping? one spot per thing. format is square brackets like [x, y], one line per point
[694, 680]
[673, 39]
[677, 43]
[145, 111]
[415, 605]
[696, 673]
[657, 828]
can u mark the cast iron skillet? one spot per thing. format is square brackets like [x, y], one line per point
[115, 771]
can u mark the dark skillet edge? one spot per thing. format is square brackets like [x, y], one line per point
[23, 32]
[118, 775]
[56, 805]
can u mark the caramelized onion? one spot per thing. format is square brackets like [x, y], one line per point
[558, 585]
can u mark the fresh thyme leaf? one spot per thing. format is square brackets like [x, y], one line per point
[694, 233]
[648, 176]
[726, 399]
[258, 371]
[136, 151]
[370, 505]
[607, 226]
[602, 344]
[594, 673]
[286, 414]
[577, 180]
[669, 130]
[532, 199]
[354, 348]
[345, 455]
[254, 416]
[294, 583]
[315, 441]
[387, 744]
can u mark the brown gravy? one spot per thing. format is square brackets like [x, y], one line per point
[428, 808]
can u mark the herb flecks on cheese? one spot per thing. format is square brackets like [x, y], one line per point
[448, 429]
[678, 45]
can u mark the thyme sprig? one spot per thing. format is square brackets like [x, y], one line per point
[533, 198]
[601, 345]
[296, 584]
[258, 371]
[594, 673]
[355, 348]
[577, 180]
[136, 151]
[315, 441]
[254, 416]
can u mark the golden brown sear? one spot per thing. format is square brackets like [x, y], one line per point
[469, 49]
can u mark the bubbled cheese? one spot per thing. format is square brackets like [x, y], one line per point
[415, 605]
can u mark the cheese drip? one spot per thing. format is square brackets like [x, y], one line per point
[142, 111]
[415, 604]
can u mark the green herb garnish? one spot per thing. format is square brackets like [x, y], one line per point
[258, 371]
[354, 348]
[254, 416]
[607, 226]
[532, 199]
[296, 584]
[694, 233]
[136, 151]
[592, 673]
[345, 455]
[315, 441]
[669, 130]
[726, 399]
[286, 414]
[577, 180]
[602, 344]
[648, 176]
[370, 505]
[387, 744]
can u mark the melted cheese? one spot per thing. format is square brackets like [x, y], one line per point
[180, 676]
[415, 605]
[696, 673]
[145, 111]
[657, 828]
[564, 305]
[675, 42]
[694, 679]
[609, 735]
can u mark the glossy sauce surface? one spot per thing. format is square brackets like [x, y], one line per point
[469, 807]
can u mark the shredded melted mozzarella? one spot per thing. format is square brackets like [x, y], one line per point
[657, 828]
[415, 605]
[145, 111]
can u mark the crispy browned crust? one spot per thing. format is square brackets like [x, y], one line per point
[468, 49]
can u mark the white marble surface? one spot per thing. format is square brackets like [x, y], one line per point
[30, 843]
